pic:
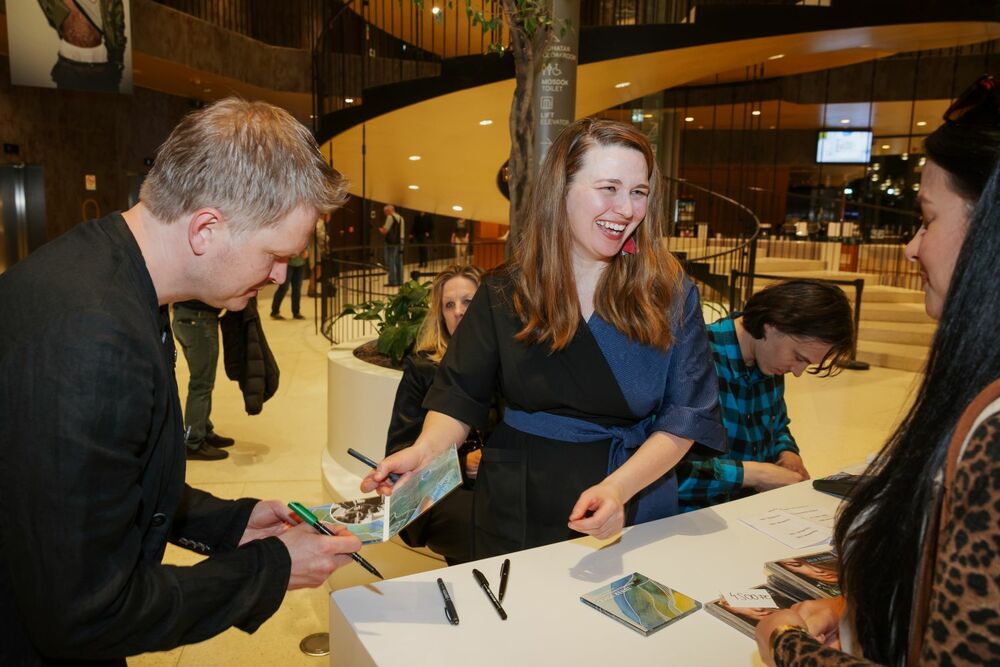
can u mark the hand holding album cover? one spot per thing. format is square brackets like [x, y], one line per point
[380, 518]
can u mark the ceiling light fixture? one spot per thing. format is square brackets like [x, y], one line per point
[435, 10]
[688, 119]
[413, 187]
[486, 121]
[349, 100]
[623, 84]
[755, 112]
[921, 123]
[845, 121]
[886, 147]
[413, 158]
[456, 207]
[777, 56]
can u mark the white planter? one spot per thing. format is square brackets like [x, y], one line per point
[359, 405]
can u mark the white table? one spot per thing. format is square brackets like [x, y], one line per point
[402, 621]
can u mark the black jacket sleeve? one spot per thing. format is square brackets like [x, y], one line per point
[407, 410]
[77, 410]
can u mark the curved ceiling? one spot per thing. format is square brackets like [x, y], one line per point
[459, 157]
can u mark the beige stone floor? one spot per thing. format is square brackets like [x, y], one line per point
[838, 421]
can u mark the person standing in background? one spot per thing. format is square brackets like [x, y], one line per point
[296, 272]
[196, 326]
[423, 231]
[460, 239]
[394, 234]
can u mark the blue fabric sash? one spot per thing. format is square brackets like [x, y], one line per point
[656, 501]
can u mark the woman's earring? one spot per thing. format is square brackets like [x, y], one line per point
[629, 247]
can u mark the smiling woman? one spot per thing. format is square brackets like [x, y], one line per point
[596, 342]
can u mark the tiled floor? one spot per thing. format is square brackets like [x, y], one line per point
[837, 421]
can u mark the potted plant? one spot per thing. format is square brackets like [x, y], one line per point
[397, 321]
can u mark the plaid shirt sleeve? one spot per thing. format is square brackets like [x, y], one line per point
[706, 482]
[781, 435]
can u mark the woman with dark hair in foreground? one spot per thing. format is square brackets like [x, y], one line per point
[920, 542]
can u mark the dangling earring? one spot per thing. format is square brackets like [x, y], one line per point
[628, 248]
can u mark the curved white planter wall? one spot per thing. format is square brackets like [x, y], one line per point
[359, 402]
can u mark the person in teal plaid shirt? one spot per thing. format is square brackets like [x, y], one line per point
[788, 327]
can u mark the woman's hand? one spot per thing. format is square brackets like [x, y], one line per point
[822, 618]
[766, 627]
[600, 511]
[439, 432]
[410, 459]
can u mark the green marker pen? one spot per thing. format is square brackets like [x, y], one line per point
[311, 519]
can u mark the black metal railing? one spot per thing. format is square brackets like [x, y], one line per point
[711, 260]
[349, 275]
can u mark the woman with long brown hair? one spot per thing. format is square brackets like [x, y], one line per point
[596, 341]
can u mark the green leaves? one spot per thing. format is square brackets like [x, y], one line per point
[398, 318]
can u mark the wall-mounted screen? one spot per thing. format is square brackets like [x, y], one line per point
[844, 146]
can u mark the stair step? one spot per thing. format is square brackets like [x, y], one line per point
[893, 312]
[893, 355]
[782, 265]
[888, 294]
[871, 279]
[909, 333]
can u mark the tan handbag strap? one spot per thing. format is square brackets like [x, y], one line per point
[938, 517]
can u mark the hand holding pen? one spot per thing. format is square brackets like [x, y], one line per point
[340, 545]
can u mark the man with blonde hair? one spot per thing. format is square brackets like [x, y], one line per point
[92, 462]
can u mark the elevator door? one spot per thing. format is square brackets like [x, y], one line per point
[22, 212]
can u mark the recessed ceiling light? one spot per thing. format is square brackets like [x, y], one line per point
[413, 158]
[623, 84]
[413, 187]
[845, 121]
[486, 121]
[755, 112]
[777, 56]
[688, 119]
[921, 123]
[886, 147]
[349, 100]
[456, 207]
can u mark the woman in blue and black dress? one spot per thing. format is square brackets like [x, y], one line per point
[594, 338]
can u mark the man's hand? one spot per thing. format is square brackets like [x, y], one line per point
[268, 518]
[767, 476]
[315, 556]
[792, 461]
[600, 511]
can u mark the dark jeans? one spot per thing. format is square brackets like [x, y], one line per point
[198, 333]
[71, 75]
[294, 278]
[393, 255]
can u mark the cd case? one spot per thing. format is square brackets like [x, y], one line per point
[641, 603]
